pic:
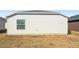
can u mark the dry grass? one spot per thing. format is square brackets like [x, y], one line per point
[74, 32]
[40, 41]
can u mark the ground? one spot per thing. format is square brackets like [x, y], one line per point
[40, 41]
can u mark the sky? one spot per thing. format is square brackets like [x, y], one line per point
[65, 12]
[69, 12]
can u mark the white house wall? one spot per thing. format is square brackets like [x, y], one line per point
[38, 24]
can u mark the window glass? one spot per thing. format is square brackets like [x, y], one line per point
[21, 24]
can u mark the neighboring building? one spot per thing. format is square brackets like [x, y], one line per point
[74, 23]
[2, 23]
[37, 22]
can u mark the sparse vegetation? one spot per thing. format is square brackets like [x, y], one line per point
[69, 31]
[39, 41]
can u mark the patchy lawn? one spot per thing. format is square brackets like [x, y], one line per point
[40, 41]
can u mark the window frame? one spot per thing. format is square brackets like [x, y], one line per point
[18, 20]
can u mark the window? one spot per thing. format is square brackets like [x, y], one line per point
[20, 24]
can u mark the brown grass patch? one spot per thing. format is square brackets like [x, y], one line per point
[39, 41]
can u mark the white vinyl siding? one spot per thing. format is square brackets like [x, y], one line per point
[38, 24]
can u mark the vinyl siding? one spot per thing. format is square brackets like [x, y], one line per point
[74, 26]
[2, 24]
[38, 24]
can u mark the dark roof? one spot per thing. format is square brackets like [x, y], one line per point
[3, 18]
[36, 12]
[74, 18]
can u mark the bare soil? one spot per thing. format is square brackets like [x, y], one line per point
[39, 41]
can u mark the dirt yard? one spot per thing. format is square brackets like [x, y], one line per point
[40, 41]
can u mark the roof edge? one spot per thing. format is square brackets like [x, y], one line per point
[3, 18]
[34, 14]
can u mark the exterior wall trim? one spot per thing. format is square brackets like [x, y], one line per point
[34, 14]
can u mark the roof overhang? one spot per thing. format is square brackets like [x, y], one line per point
[37, 13]
[3, 18]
